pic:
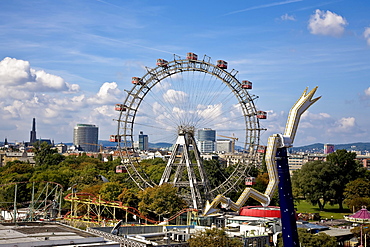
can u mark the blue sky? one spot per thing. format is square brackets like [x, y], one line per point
[68, 62]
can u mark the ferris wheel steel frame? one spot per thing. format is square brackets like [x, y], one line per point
[136, 95]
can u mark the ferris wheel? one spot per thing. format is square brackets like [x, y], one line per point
[174, 100]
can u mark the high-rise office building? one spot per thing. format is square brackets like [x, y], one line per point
[206, 140]
[85, 136]
[33, 132]
[143, 142]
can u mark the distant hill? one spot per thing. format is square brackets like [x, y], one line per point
[319, 147]
[160, 145]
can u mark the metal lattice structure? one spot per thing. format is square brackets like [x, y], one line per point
[29, 201]
[189, 73]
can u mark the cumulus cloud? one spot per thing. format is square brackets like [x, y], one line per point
[344, 125]
[17, 75]
[15, 72]
[287, 17]
[173, 96]
[56, 104]
[326, 23]
[367, 35]
[210, 111]
[108, 94]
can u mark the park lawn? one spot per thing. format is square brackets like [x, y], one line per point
[329, 210]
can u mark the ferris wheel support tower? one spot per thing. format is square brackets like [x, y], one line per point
[199, 190]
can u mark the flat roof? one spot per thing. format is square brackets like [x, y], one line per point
[43, 234]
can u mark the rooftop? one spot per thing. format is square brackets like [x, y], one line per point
[44, 234]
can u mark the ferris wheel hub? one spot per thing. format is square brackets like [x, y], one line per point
[186, 129]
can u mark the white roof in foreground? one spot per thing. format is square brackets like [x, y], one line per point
[24, 234]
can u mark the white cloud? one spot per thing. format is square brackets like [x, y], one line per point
[307, 115]
[210, 111]
[326, 23]
[17, 75]
[50, 113]
[344, 125]
[178, 111]
[367, 35]
[108, 94]
[15, 72]
[105, 111]
[287, 17]
[163, 85]
[367, 91]
[173, 96]
[56, 104]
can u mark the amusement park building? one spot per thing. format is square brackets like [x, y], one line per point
[85, 136]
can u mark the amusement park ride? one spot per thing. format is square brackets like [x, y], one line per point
[195, 188]
[190, 177]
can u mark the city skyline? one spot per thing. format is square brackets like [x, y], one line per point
[70, 62]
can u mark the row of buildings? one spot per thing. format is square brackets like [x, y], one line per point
[85, 139]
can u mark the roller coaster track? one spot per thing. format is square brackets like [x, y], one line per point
[97, 205]
[43, 198]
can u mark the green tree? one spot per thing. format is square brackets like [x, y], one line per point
[161, 200]
[110, 191]
[129, 197]
[45, 155]
[312, 240]
[216, 173]
[213, 238]
[154, 168]
[315, 182]
[357, 194]
[347, 169]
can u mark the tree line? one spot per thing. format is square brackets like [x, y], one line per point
[341, 179]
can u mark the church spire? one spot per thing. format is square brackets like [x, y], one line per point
[33, 132]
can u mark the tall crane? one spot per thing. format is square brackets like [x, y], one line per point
[233, 138]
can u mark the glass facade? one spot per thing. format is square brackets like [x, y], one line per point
[206, 140]
[143, 142]
[85, 136]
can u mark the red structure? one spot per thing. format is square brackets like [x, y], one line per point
[162, 63]
[114, 138]
[121, 169]
[222, 64]
[256, 211]
[137, 80]
[250, 181]
[247, 84]
[191, 56]
[261, 149]
[261, 114]
[120, 107]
